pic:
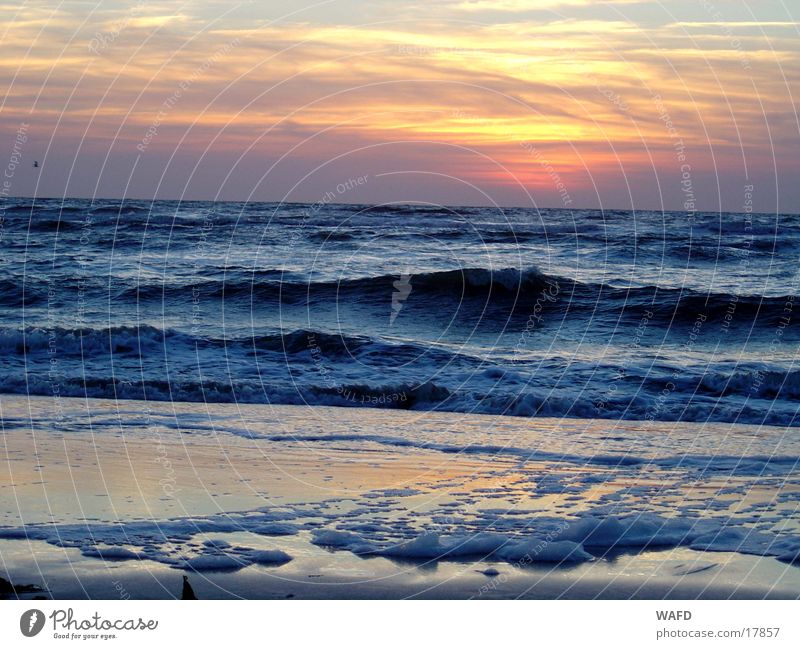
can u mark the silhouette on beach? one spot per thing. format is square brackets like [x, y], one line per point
[188, 591]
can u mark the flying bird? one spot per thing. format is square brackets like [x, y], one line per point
[35, 164]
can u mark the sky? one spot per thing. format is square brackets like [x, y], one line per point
[676, 105]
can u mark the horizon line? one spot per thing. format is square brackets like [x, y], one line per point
[411, 203]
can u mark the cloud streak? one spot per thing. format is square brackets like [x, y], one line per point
[307, 91]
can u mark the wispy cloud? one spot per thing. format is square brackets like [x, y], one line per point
[582, 89]
[519, 6]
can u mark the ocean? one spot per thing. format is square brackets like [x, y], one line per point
[563, 313]
[558, 402]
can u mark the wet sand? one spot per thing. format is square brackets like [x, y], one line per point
[163, 484]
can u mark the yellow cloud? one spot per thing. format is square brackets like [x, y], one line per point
[568, 85]
[156, 21]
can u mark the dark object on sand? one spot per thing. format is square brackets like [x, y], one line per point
[8, 589]
[188, 591]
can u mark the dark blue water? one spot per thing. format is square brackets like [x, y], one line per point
[522, 312]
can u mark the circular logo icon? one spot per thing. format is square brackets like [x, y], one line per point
[31, 622]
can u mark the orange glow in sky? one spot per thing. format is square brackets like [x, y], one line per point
[511, 102]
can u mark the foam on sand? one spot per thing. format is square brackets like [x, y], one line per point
[389, 486]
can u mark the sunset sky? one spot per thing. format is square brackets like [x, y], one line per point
[647, 105]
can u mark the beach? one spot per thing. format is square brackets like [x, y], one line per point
[391, 401]
[307, 310]
[119, 499]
